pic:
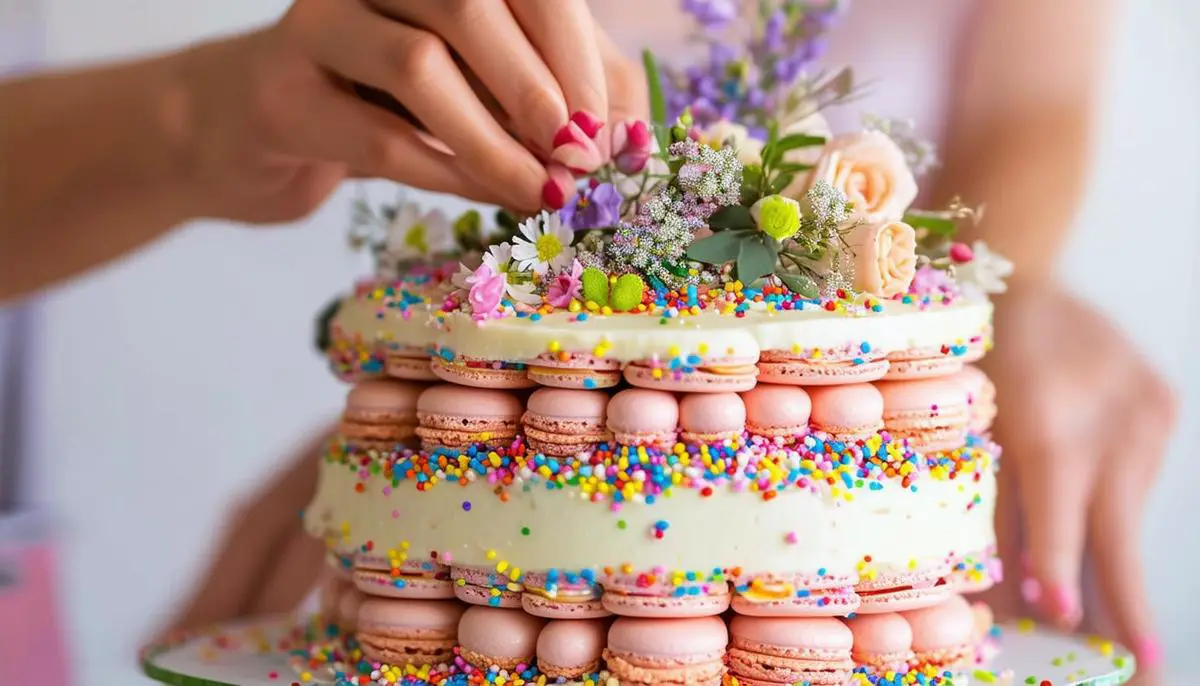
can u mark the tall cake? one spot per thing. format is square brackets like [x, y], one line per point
[715, 419]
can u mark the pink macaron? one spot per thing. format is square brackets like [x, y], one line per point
[777, 412]
[563, 422]
[795, 595]
[479, 373]
[766, 651]
[485, 586]
[981, 398]
[642, 595]
[882, 642]
[497, 637]
[574, 370]
[571, 648]
[651, 652]
[457, 417]
[931, 414]
[562, 595]
[923, 363]
[712, 417]
[421, 579]
[639, 416]
[847, 413]
[901, 590]
[409, 632]
[822, 367]
[409, 362]
[944, 635]
[695, 374]
[380, 413]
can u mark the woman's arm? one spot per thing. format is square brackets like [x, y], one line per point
[92, 165]
[1022, 116]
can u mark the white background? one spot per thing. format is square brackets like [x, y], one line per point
[168, 384]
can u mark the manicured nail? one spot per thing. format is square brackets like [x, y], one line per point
[558, 188]
[590, 123]
[566, 134]
[1066, 605]
[1148, 652]
[1031, 590]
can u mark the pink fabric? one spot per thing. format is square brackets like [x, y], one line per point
[32, 650]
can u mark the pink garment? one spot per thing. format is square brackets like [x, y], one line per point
[31, 636]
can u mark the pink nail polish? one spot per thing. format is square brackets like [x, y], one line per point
[1148, 652]
[1066, 605]
[588, 122]
[553, 195]
[566, 134]
[1031, 590]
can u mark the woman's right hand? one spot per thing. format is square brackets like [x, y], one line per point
[492, 84]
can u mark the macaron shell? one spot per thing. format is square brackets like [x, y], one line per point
[882, 639]
[673, 651]
[712, 414]
[558, 608]
[904, 368]
[945, 626]
[673, 607]
[585, 379]
[815, 605]
[642, 412]
[698, 381]
[405, 651]
[827, 374]
[477, 377]
[411, 618]
[773, 410]
[850, 410]
[903, 599]
[385, 585]
[494, 636]
[409, 367]
[571, 648]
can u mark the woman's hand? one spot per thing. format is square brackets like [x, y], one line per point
[1084, 423]
[265, 562]
[492, 87]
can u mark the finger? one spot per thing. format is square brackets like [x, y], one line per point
[1116, 518]
[564, 34]
[296, 565]
[1054, 473]
[508, 65]
[416, 68]
[628, 94]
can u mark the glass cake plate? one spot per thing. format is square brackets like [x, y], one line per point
[260, 653]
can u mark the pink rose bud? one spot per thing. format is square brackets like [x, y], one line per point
[631, 145]
[961, 253]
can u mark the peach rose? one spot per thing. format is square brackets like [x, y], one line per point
[885, 257]
[870, 169]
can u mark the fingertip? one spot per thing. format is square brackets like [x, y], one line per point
[558, 187]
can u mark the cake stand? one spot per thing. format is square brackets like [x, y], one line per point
[259, 653]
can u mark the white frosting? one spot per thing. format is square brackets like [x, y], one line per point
[893, 525]
[630, 337]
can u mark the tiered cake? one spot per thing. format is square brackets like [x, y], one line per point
[716, 418]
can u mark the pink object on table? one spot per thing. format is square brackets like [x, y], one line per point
[31, 637]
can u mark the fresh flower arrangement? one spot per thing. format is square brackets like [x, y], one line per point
[737, 184]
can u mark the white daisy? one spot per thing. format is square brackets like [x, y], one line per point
[544, 244]
[985, 273]
[413, 235]
[518, 286]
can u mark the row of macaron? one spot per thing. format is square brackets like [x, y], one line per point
[588, 594]
[689, 373]
[931, 414]
[764, 651]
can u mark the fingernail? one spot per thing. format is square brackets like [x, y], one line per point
[1031, 590]
[557, 188]
[566, 134]
[588, 122]
[1066, 605]
[1148, 652]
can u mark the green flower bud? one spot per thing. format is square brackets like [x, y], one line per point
[777, 216]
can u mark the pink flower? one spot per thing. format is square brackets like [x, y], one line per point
[631, 146]
[487, 289]
[961, 253]
[566, 286]
[930, 280]
[575, 144]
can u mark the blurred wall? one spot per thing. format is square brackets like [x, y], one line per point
[169, 383]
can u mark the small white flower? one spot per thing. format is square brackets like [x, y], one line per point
[413, 235]
[544, 244]
[500, 259]
[985, 273]
[726, 133]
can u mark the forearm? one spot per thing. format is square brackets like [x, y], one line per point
[1029, 174]
[92, 165]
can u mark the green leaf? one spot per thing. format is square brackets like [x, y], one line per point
[732, 217]
[800, 284]
[781, 182]
[658, 103]
[752, 182]
[792, 168]
[797, 141]
[934, 224]
[719, 248]
[755, 259]
[324, 337]
[595, 286]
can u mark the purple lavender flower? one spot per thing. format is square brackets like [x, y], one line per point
[714, 15]
[596, 207]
